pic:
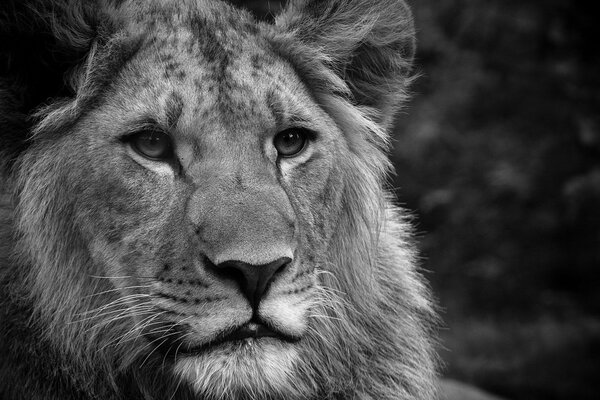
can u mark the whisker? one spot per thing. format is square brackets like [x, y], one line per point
[134, 332]
[165, 338]
[120, 277]
[323, 316]
[98, 311]
[134, 309]
[118, 290]
[167, 329]
[126, 314]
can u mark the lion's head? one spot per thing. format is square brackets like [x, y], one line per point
[200, 209]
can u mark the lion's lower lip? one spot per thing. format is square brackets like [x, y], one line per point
[251, 330]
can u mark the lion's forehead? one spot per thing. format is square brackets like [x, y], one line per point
[216, 60]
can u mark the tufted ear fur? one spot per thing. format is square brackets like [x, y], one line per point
[363, 48]
[53, 54]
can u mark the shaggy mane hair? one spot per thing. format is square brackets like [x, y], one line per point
[58, 337]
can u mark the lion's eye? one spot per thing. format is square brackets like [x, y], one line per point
[290, 142]
[154, 145]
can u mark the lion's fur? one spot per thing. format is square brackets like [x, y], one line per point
[372, 329]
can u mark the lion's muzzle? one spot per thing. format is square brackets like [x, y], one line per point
[245, 227]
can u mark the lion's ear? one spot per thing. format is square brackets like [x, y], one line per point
[369, 44]
[42, 42]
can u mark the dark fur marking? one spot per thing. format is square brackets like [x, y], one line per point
[274, 105]
[172, 66]
[256, 61]
[166, 57]
[299, 290]
[219, 58]
[174, 108]
[197, 282]
[192, 282]
[301, 275]
[114, 235]
[198, 84]
[184, 300]
[180, 75]
[213, 50]
[239, 180]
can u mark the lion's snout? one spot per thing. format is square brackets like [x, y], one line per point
[238, 222]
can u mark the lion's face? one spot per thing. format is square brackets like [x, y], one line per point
[207, 194]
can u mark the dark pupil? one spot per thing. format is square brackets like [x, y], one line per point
[289, 143]
[152, 144]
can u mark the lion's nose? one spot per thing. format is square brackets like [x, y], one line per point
[253, 280]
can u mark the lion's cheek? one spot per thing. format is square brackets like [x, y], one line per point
[317, 201]
[123, 209]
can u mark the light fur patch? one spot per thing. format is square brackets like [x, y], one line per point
[287, 311]
[160, 168]
[256, 368]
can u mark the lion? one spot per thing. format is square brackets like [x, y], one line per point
[195, 203]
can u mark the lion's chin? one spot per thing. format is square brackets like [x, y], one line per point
[249, 368]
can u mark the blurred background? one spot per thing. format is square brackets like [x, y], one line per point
[498, 154]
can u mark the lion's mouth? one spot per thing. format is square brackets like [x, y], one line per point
[244, 334]
[251, 330]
